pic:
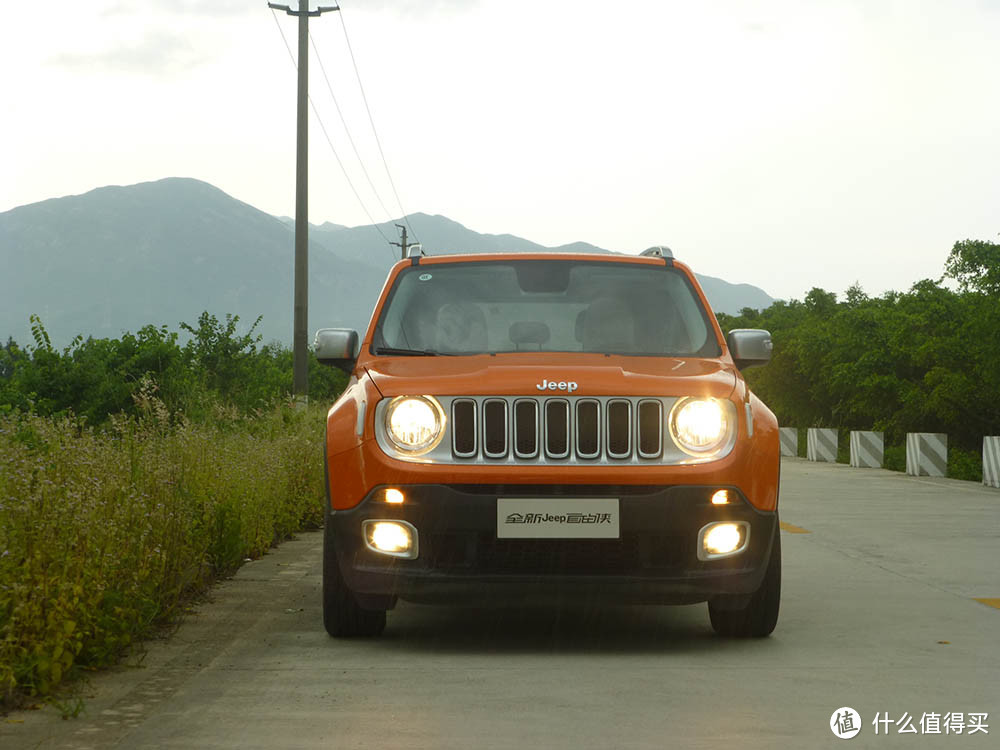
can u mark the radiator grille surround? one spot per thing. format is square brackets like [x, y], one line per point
[555, 430]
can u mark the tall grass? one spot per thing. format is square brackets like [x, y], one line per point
[104, 533]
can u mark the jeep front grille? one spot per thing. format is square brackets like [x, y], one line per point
[556, 429]
[552, 430]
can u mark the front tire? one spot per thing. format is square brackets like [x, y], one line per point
[758, 618]
[343, 617]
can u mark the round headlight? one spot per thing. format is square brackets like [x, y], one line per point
[699, 426]
[415, 424]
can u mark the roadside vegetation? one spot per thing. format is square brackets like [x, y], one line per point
[133, 473]
[926, 360]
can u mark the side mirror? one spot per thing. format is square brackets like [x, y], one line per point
[337, 347]
[749, 347]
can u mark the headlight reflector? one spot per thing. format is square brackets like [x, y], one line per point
[415, 424]
[700, 426]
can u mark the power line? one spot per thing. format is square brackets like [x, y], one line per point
[371, 120]
[346, 129]
[330, 143]
[326, 135]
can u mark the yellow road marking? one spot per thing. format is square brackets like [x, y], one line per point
[989, 602]
[792, 529]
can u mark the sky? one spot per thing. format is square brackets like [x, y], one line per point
[782, 143]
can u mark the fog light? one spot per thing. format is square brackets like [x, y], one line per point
[725, 539]
[394, 538]
[721, 497]
[393, 496]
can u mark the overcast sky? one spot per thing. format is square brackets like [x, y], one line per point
[783, 143]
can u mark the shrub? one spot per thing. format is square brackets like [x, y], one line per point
[103, 533]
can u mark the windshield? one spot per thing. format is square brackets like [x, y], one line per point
[546, 306]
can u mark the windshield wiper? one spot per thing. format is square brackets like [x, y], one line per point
[408, 352]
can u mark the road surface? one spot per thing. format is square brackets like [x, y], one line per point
[881, 612]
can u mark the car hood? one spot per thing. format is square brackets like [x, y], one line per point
[520, 374]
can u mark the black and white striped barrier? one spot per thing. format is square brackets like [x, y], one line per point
[991, 461]
[789, 437]
[821, 444]
[926, 454]
[867, 449]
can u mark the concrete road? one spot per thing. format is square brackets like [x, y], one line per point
[882, 573]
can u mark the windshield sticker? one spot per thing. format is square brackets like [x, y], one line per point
[425, 277]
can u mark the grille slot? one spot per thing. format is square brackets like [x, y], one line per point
[557, 428]
[619, 429]
[463, 428]
[486, 554]
[525, 428]
[495, 428]
[588, 429]
[650, 429]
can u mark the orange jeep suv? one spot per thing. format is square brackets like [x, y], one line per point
[530, 428]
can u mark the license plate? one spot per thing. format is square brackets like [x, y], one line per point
[557, 518]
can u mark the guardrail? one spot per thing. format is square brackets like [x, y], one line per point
[821, 445]
[991, 461]
[789, 437]
[926, 452]
[867, 449]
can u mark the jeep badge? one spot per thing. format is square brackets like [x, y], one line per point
[562, 385]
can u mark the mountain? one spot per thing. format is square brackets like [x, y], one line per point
[118, 258]
[439, 236]
[726, 297]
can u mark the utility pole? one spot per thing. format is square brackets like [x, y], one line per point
[402, 244]
[300, 347]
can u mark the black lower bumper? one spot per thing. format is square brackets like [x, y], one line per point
[461, 560]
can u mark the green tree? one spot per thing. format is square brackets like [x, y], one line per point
[95, 378]
[975, 265]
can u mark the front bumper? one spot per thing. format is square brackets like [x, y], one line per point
[654, 561]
